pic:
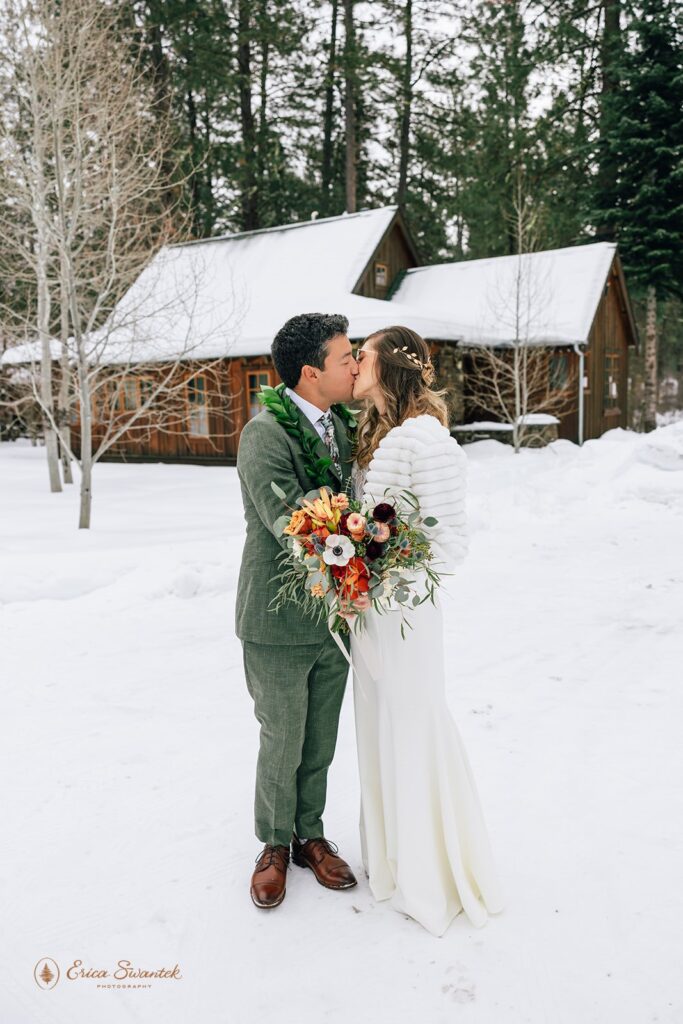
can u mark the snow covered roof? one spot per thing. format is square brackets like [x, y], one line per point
[29, 352]
[228, 296]
[546, 297]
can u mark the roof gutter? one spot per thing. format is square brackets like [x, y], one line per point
[580, 354]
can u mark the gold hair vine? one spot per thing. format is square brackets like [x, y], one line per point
[411, 355]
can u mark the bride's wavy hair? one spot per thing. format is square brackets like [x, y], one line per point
[405, 376]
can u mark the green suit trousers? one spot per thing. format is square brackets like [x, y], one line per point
[297, 691]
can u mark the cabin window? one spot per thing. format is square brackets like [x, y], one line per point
[129, 394]
[558, 371]
[610, 386]
[146, 389]
[254, 382]
[101, 409]
[381, 275]
[199, 409]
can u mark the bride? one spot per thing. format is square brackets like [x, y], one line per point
[424, 841]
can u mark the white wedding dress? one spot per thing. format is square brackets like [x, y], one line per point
[424, 841]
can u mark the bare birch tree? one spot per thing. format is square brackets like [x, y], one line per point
[26, 148]
[520, 377]
[93, 155]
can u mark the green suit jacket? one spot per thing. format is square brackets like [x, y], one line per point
[268, 453]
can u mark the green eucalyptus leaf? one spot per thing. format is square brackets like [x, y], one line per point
[280, 523]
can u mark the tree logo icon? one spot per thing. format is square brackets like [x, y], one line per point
[46, 972]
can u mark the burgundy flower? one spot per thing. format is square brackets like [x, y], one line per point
[343, 528]
[374, 550]
[383, 512]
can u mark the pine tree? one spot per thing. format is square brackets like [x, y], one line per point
[505, 148]
[645, 142]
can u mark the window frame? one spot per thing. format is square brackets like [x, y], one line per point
[381, 266]
[563, 358]
[193, 408]
[249, 391]
[611, 367]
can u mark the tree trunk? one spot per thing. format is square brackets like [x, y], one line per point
[249, 189]
[86, 477]
[64, 397]
[610, 48]
[262, 148]
[350, 108]
[650, 417]
[329, 115]
[209, 213]
[194, 173]
[163, 89]
[51, 447]
[406, 105]
[85, 399]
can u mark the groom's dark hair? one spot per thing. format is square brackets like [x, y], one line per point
[303, 342]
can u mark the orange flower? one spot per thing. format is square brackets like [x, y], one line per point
[322, 533]
[340, 501]
[299, 524]
[356, 580]
[318, 590]
[321, 510]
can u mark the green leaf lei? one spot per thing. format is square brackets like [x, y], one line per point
[278, 402]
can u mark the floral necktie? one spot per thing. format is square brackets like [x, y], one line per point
[330, 440]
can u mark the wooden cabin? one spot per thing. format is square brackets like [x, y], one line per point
[201, 318]
[213, 307]
[572, 304]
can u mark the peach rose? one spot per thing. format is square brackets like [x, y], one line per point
[355, 524]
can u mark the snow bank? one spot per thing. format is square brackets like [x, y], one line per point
[129, 742]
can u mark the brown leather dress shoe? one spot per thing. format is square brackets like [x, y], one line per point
[321, 857]
[270, 876]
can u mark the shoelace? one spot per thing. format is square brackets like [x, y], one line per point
[270, 856]
[327, 847]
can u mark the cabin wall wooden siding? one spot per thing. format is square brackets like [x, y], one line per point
[226, 401]
[448, 363]
[605, 368]
[396, 254]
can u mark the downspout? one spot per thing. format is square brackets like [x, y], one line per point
[580, 354]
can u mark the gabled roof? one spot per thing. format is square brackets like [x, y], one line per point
[548, 297]
[228, 296]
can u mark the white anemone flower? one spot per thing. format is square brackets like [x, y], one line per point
[338, 550]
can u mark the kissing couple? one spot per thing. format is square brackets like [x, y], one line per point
[424, 842]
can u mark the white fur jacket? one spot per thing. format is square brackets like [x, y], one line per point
[421, 456]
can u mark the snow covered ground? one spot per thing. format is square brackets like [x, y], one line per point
[128, 747]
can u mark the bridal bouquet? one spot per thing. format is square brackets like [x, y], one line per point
[344, 557]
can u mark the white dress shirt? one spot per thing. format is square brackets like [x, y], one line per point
[310, 411]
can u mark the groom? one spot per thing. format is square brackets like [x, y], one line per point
[295, 672]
